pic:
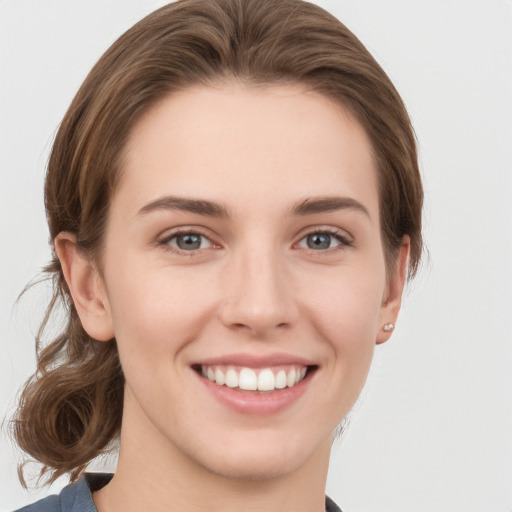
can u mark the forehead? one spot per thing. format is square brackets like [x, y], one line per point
[248, 143]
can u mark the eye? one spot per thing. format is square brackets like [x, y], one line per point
[324, 240]
[187, 242]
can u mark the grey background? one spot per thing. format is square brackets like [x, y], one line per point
[433, 429]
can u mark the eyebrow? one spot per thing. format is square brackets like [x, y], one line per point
[307, 206]
[199, 206]
[328, 204]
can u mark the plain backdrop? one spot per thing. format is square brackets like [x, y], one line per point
[433, 429]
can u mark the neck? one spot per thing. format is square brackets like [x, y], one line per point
[155, 475]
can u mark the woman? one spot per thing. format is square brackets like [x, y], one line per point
[235, 204]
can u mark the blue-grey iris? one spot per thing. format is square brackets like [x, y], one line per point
[188, 242]
[319, 241]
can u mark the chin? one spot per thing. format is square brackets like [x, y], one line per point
[254, 467]
[260, 457]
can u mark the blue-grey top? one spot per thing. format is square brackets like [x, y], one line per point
[77, 497]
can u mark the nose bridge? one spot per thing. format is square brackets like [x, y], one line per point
[257, 293]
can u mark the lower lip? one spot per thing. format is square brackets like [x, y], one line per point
[254, 403]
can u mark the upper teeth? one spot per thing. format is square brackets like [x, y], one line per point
[264, 379]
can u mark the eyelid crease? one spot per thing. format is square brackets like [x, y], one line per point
[184, 230]
[329, 230]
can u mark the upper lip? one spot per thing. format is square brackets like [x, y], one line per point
[256, 361]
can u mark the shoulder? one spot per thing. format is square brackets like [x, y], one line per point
[76, 497]
[49, 504]
[330, 506]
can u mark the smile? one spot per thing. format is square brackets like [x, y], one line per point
[256, 385]
[249, 379]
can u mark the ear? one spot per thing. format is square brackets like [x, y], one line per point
[392, 298]
[86, 287]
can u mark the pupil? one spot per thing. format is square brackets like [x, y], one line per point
[189, 242]
[319, 241]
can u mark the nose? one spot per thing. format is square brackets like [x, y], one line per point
[258, 294]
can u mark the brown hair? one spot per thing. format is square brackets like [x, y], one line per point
[70, 410]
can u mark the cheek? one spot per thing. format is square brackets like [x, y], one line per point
[156, 311]
[345, 310]
[346, 299]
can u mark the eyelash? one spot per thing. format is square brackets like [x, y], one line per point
[344, 241]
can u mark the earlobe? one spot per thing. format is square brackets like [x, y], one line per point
[392, 299]
[86, 287]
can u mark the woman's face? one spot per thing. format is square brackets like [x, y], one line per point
[244, 245]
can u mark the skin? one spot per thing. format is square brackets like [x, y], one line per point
[254, 286]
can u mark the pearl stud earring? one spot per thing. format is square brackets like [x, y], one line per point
[388, 327]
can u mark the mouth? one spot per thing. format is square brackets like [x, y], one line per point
[256, 385]
[255, 380]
